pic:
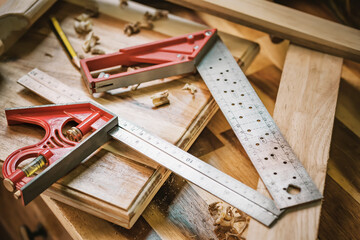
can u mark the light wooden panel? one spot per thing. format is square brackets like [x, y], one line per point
[298, 27]
[304, 112]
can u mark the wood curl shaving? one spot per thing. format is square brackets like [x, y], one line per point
[83, 24]
[146, 23]
[158, 15]
[160, 98]
[132, 28]
[230, 222]
[124, 3]
[190, 87]
[97, 51]
[82, 17]
[90, 42]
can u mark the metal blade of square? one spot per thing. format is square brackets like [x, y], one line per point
[283, 174]
[180, 162]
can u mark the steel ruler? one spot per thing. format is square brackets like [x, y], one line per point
[279, 168]
[281, 171]
[283, 174]
[178, 161]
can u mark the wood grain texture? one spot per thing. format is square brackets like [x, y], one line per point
[16, 17]
[36, 212]
[344, 164]
[298, 27]
[179, 25]
[312, 78]
[85, 226]
[131, 179]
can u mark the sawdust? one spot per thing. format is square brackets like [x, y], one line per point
[230, 223]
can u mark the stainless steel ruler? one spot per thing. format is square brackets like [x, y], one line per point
[198, 172]
[180, 162]
[283, 174]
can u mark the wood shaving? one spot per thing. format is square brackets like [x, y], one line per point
[124, 3]
[132, 28]
[190, 87]
[147, 25]
[83, 26]
[97, 51]
[159, 14]
[134, 87]
[230, 222]
[160, 98]
[82, 17]
[90, 42]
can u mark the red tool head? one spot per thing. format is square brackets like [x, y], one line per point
[55, 145]
[169, 57]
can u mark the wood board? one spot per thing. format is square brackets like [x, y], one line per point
[338, 221]
[313, 79]
[298, 27]
[16, 17]
[107, 197]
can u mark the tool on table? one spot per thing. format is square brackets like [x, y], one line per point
[61, 154]
[65, 42]
[279, 168]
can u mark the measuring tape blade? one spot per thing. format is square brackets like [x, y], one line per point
[273, 158]
[198, 172]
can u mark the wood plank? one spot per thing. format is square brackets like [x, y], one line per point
[312, 78]
[342, 218]
[298, 27]
[172, 26]
[344, 164]
[132, 167]
[17, 17]
[36, 212]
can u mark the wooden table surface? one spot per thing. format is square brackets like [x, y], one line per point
[341, 207]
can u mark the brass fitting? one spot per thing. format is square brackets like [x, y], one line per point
[74, 134]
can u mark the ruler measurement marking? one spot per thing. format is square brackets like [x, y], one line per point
[259, 206]
[187, 158]
[247, 128]
[241, 196]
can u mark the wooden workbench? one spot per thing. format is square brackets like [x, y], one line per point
[172, 219]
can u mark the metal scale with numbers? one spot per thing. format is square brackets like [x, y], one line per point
[276, 163]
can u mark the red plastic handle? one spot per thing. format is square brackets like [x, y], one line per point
[160, 54]
[54, 145]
